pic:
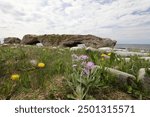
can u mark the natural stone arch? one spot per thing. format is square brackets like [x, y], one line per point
[72, 44]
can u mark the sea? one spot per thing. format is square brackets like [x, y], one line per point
[133, 46]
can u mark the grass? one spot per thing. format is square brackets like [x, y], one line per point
[58, 80]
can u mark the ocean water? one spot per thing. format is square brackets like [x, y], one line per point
[133, 46]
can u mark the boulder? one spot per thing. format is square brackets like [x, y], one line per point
[30, 40]
[12, 40]
[68, 40]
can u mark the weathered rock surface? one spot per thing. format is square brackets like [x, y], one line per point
[68, 40]
[12, 40]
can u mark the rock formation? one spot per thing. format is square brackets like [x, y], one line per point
[68, 40]
[12, 40]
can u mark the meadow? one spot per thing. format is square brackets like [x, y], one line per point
[46, 73]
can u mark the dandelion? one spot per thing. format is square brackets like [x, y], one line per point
[15, 77]
[102, 59]
[109, 54]
[103, 55]
[41, 65]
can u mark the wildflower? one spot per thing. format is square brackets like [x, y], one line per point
[109, 54]
[15, 77]
[103, 55]
[102, 59]
[41, 65]
[88, 68]
[83, 57]
[90, 65]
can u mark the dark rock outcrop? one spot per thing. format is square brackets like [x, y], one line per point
[12, 40]
[68, 40]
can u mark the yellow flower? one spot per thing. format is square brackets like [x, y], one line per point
[102, 59]
[103, 55]
[41, 65]
[15, 77]
[109, 54]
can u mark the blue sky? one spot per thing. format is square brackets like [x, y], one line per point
[127, 21]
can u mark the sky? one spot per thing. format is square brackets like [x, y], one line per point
[127, 21]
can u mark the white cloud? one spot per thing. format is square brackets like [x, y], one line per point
[118, 19]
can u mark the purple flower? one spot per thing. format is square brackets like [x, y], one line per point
[83, 57]
[90, 65]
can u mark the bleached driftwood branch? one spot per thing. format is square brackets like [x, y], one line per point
[122, 78]
[142, 73]
[120, 74]
[121, 53]
[144, 58]
[105, 49]
[145, 80]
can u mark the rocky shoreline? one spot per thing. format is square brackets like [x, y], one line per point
[62, 40]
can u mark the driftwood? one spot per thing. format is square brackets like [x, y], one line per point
[81, 45]
[141, 74]
[91, 49]
[75, 48]
[145, 58]
[127, 59]
[105, 49]
[145, 80]
[121, 53]
[122, 78]
[120, 74]
[122, 50]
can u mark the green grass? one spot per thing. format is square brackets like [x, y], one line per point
[57, 80]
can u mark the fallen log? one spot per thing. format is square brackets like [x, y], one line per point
[122, 78]
[144, 79]
[145, 58]
[120, 74]
[121, 53]
[105, 49]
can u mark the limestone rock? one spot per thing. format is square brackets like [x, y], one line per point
[68, 40]
[30, 40]
[12, 40]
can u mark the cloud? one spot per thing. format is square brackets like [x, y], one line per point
[118, 19]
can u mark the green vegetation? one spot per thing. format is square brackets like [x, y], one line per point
[56, 77]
